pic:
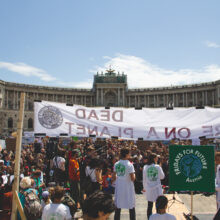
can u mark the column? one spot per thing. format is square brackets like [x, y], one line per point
[196, 98]
[203, 98]
[7, 100]
[75, 99]
[155, 104]
[176, 100]
[118, 97]
[14, 100]
[148, 100]
[186, 100]
[206, 103]
[213, 98]
[173, 101]
[102, 100]
[97, 97]
[183, 99]
[129, 101]
[123, 97]
[218, 96]
[145, 101]
[164, 100]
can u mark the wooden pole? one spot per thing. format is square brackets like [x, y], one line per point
[20, 208]
[191, 205]
[18, 156]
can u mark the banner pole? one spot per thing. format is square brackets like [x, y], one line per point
[191, 205]
[18, 156]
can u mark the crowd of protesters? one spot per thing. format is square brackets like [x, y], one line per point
[56, 174]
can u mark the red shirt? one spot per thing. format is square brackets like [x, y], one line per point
[74, 170]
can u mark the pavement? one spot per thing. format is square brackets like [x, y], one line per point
[204, 208]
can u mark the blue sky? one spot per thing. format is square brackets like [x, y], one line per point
[64, 42]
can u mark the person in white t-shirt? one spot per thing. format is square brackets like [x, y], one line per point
[152, 174]
[124, 174]
[56, 210]
[59, 168]
[161, 206]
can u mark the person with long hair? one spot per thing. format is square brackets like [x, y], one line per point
[94, 170]
[152, 174]
[124, 174]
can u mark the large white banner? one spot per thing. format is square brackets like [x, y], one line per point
[150, 124]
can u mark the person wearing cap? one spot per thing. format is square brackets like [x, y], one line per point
[45, 199]
[161, 206]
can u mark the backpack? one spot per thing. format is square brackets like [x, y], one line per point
[68, 201]
[32, 206]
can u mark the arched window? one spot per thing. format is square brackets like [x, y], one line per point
[10, 123]
[30, 123]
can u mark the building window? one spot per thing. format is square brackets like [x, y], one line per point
[10, 123]
[30, 123]
[30, 106]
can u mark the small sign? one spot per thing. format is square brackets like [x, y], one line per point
[191, 168]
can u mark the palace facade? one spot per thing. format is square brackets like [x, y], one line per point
[109, 89]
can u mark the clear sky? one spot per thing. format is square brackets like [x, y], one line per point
[65, 42]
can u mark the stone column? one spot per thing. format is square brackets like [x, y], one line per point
[102, 100]
[6, 100]
[213, 98]
[118, 97]
[97, 97]
[206, 100]
[186, 100]
[14, 100]
[203, 98]
[183, 99]
[174, 104]
[129, 101]
[196, 98]
[145, 101]
[155, 104]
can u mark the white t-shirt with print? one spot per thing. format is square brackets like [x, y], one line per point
[56, 212]
[165, 216]
[152, 174]
[124, 187]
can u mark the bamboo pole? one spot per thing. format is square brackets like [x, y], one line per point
[191, 205]
[18, 156]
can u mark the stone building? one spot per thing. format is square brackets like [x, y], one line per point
[109, 89]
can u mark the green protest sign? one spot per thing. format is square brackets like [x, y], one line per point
[191, 168]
